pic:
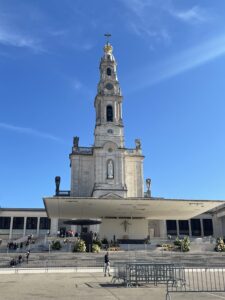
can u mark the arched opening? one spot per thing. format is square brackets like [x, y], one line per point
[109, 113]
[108, 71]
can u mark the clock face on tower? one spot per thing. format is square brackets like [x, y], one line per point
[109, 86]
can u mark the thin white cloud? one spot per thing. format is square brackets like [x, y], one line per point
[140, 30]
[142, 22]
[143, 31]
[83, 46]
[76, 84]
[9, 38]
[30, 131]
[59, 32]
[192, 15]
[187, 60]
[138, 6]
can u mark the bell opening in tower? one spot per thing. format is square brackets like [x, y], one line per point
[109, 113]
[109, 72]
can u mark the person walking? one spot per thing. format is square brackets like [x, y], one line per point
[20, 259]
[27, 255]
[107, 265]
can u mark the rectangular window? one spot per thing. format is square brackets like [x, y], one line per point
[5, 222]
[31, 223]
[171, 227]
[183, 227]
[207, 227]
[45, 223]
[18, 222]
[196, 227]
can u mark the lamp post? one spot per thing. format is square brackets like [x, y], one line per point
[148, 185]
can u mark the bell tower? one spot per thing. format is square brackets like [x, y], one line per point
[108, 102]
[107, 169]
[109, 132]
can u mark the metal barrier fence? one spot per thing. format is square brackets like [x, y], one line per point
[137, 273]
[178, 279]
[197, 280]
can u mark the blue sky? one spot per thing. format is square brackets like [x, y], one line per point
[171, 67]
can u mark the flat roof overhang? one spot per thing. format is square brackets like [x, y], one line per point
[148, 208]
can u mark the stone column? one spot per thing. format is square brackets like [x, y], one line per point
[162, 229]
[74, 228]
[217, 226]
[189, 225]
[38, 225]
[178, 228]
[11, 228]
[24, 226]
[54, 226]
[202, 229]
[121, 113]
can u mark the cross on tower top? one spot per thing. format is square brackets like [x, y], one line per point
[107, 35]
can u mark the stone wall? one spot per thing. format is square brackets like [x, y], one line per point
[134, 175]
[82, 175]
[136, 229]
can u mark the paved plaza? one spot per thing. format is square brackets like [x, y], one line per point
[82, 286]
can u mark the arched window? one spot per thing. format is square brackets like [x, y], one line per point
[108, 71]
[109, 113]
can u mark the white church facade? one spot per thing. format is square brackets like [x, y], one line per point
[107, 186]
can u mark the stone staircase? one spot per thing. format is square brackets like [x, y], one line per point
[65, 259]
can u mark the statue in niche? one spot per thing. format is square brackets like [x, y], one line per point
[138, 144]
[110, 171]
[76, 142]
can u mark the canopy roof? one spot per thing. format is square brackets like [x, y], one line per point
[82, 222]
[149, 208]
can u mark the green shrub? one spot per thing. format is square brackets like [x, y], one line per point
[56, 245]
[185, 244]
[105, 241]
[167, 247]
[98, 242]
[79, 246]
[96, 248]
[177, 242]
[220, 246]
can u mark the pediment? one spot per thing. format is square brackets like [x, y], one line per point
[110, 195]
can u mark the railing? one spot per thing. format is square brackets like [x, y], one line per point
[83, 150]
[178, 279]
[197, 280]
[137, 273]
[131, 151]
[63, 193]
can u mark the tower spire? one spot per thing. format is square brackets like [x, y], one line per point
[108, 101]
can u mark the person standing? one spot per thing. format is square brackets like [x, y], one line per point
[27, 255]
[107, 265]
